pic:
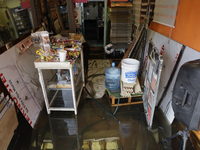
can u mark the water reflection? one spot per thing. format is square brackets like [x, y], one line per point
[64, 130]
[89, 131]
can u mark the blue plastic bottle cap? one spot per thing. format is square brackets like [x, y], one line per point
[113, 64]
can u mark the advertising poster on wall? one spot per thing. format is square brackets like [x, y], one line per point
[165, 12]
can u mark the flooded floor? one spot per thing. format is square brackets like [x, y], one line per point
[93, 127]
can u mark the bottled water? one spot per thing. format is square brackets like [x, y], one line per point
[112, 77]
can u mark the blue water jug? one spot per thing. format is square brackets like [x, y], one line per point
[112, 77]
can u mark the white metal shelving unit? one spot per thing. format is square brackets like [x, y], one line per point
[63, 99]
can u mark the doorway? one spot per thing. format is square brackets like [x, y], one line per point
[94, 22]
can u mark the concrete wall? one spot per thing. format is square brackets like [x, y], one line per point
[91, 11]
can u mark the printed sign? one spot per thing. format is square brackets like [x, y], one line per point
[165, 12]
[25, 4]
[131, 74]
[77, 15]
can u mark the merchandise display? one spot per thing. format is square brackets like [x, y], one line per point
[50, 47]
[64, 56]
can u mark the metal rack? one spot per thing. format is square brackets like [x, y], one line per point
[63, 99]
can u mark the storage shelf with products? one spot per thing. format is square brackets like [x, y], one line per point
[22, 20]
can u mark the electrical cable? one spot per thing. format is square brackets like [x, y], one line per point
[117, 103]
[95, 75]
[111, 115]
[99, 115]
[102, 107]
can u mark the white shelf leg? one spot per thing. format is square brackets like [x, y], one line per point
[73, 90]
[41, 79]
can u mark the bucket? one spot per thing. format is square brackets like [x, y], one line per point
[129, 70]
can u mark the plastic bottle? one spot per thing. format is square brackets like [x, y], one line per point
[112, 77]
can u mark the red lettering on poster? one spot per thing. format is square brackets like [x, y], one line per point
[176, 58]
[10, 92]
[145, 61]
[19, 106]
[15, 99]
[162, 50]
[7, 85]
[27, 118]
[3, 79]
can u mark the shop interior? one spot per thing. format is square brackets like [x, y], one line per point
[99, 75]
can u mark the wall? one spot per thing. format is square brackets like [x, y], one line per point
[170, 50]
[186, 32]
[91, 11]
[9, 4]
[186, 29]
[188, 55]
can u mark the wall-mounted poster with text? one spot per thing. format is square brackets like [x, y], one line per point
[165, 12]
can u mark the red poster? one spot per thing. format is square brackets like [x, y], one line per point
[25, 4]
[80, 1]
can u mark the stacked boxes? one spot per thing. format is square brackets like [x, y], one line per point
[121, 26]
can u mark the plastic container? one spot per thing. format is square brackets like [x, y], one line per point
[112, 77]
[62, 55]
[129, 70]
